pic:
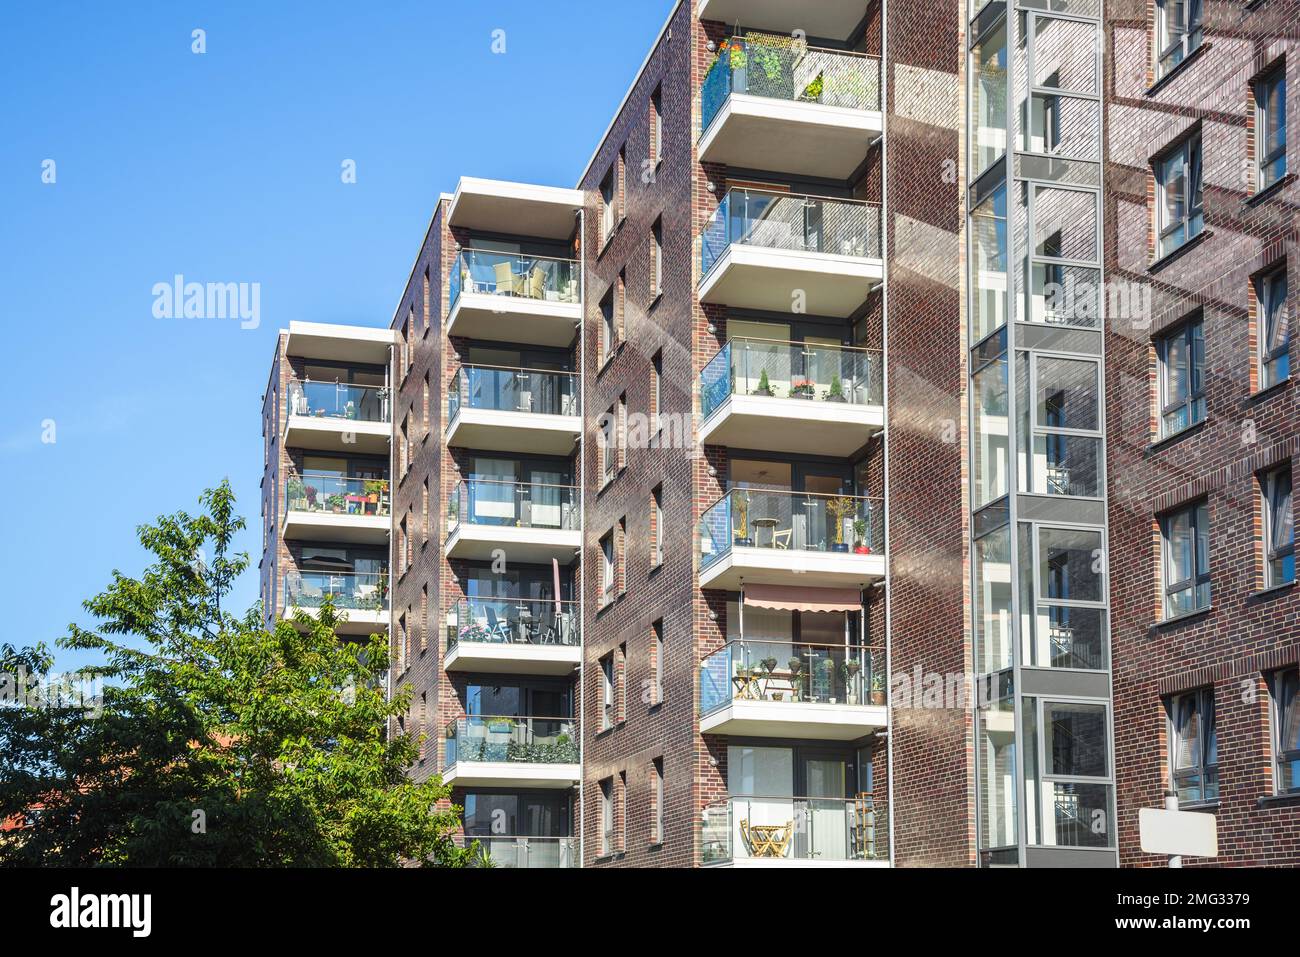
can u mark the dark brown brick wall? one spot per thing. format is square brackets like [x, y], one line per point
[1245, 633]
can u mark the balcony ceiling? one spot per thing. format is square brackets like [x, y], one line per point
[797, 426]
[336, 342]
[827, 19]
[514, 319]
[753, 277]
[810, 139]
[517, 209]
[494, 430]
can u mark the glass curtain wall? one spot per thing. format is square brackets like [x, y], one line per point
[1036, 304]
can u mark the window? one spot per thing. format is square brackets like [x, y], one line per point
[428, 318]
[622, 813]
[1179, 215]
[606, 817]
[409, 335]
[620, 445]
[1186, 552]
[657, 801]
[608, 204]
[1181, 358]
[1270, 129]
[657, 126]
[609, 324]
[656, 526]
[607, 568]
[656, 389]
[428, 514]
[403, 643]
[1279, 528]
[424, 513]
[1178, 32]
[1285, 687]
[658, 652]
[1273, 330]
[656, 259]
[1066, 427]
[620, 572]
[428, 422]
[424, 618]
[607, 439]
[607, 692]
[1194, 747]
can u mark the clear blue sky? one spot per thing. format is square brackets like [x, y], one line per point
[225, 167]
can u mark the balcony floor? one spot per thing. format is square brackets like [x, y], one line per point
[798, 138]
[781, 566]
[759, 277]
[335, 527]
[814, 721]
[520, 544]
[513, 658]
[507, 774]
[494, 430]
[540, 322]
[336, 435]
[798, 426]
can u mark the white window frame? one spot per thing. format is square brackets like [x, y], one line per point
[1192, 223]
[1202, 701]
[1174, 45]
[1192, 333]
[1199, 521]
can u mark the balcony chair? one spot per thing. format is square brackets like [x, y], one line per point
[498, 629]
[536, 284]
[507, 283]
[766, 840]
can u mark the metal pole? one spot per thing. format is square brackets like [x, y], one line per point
[1171, 804]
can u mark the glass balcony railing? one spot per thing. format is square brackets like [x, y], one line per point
[794, 829]
[798, 521]
[512, 740]
[503, 389]
[349, 590]
[792, 673]
[337, 400]
[336, 494]
[794, 370]
[783, 68]
[517, 504]
[812, 224]
[514, 621]
[521, 277]
[521, 852]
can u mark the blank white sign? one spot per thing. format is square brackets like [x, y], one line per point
[1192, 833]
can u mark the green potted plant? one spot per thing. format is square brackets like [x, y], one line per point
[849, 672]
[764, 386]
[839, 507]
[877, 689]
[803, 389]
[741, 500]
[297, 493]
[796, 677]
[828, 675]
[335, 502]
[812, 93]
[836, 392]
[860, 545]
[376, 489]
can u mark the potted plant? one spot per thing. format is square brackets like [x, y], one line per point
[742, 513]
[839, 507]
[860, 545]
[796, 677]
[836, 392]
[297, 493]
[311, 497]
[849, 672]
[335, 502]
[738, 62]
[764, 387]
[812, 93]
[877, 689]
[828, 666]
[376, 489]
[803, 389]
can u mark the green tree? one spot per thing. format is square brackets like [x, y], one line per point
[215, 742]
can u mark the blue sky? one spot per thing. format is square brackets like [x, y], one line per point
[225, 167]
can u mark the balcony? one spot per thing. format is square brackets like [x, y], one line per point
[507, 752]
[522, 852]
[780, 689]
[526, 411]
[336, 342]
[515, 209]
[337, 417]
[335, 508]
[505, 297]
[761, 249]
[795, 832]
[792, 538]
[773, 102]
[362, 597]
[531, 522]
[797, 397]
[515, 636]
[825, 18]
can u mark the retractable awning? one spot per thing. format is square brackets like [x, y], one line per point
[802, 598]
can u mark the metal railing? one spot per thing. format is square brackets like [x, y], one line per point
[792, 673]
[349, 590]
[783, 68]
[504, 389]
[517, 504]
[797, 521]
[794, 828]
[512, 740]
[514, 621]
[541, 278]
[771, 220]
[795, 370]
[337, 494]
[337, 400]
[525, 852]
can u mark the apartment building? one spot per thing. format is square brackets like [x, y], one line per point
[799, 489]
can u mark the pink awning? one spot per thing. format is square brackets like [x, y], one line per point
[803, 598]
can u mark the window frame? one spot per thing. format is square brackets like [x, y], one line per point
[1206, 730]
[1272, 83]
[656, 526]
[1187, 42]
[1199, 523]
[1269, 485]
[608, 692]
[1277, 686]
[1192, 331]
[609, 570]
[1270, 307]
[657, 797]
[1192, 223]
[656, 259]
[608, 191]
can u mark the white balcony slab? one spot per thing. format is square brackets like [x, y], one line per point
[519, 544]
[799, 426]
[514, 658]
[495, 430]
[798, 138]
[326, 434]
[360, 621]
[790, 566]
[829, 19]
[511, 774]
[335, 527]
[795, 719]
[785, 863]
[759, 277]
[337, 342]
[517, 209]
[542, 322]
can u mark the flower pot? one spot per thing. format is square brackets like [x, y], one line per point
[877, 698]
[744, 542]
[861, 550]
[840, 547]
